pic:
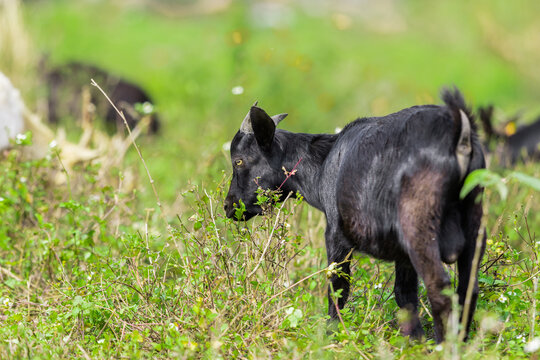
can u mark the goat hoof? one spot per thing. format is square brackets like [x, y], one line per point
[413, 331]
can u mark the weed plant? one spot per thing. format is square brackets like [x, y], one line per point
[90, 269]
[86, 271]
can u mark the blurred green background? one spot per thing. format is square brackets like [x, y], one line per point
[323, 62]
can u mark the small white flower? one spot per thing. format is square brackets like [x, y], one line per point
[173, 326]
[332, 270]
[90, 276]
[6, 302]
[237, 90]
[53, 144]
[226, 146]
[1, 199]
[533, 345]
[439, 348]
[22, 179]
[101, 341]
[147, 108]
[503, 298]
[337, 130]
[20, 138]
[378, 286]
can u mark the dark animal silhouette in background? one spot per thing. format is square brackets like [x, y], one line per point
[65, 85]
[388, 186]
[521, 145]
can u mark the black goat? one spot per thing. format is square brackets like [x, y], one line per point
[522, 145]
[388, 186]
[65, 84]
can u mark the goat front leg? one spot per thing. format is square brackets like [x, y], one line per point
[406, 293]
[337, 252]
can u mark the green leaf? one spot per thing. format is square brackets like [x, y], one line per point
[15, 318]
[502, 189]
[526, 179]
[78, 300]
[240, 210]
[486, 178]
[293, 316]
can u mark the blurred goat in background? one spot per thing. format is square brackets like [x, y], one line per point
[511, 145]
[65, 84]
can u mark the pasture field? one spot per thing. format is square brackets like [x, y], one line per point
[98, 264]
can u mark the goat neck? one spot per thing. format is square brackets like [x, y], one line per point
[307, 152]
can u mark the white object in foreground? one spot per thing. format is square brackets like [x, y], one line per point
[11, 112]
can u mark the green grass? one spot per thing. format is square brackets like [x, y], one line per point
[91, 269]
[322, 76]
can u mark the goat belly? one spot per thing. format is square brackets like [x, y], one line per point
[386, 166]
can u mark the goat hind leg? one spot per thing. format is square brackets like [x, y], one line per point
[429, 266]
[420, 221]
[406, 293]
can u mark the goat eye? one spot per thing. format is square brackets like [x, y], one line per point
[239, 162]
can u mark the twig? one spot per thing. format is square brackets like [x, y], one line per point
[289, 174]
[162, 214]
[85, 354]
[472, 277]
[499, 339]
[213, 218]
[337, 309]
[302, 280]
[533, 308]
[9, 273]
[68, 182]
[269, 239]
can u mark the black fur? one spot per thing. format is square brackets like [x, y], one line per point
[388, 186]
[521, 146]
[65, 84]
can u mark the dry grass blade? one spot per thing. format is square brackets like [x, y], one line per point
[152, 183]
[474, 274]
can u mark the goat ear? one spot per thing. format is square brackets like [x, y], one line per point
[278, 118]
[264, 127]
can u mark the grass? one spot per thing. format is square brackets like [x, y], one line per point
[349, 73]
[90, 268]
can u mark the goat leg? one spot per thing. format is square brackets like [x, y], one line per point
[420, 222]
[406, 293]
[337, 253]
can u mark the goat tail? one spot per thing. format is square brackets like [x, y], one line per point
[464, 127]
